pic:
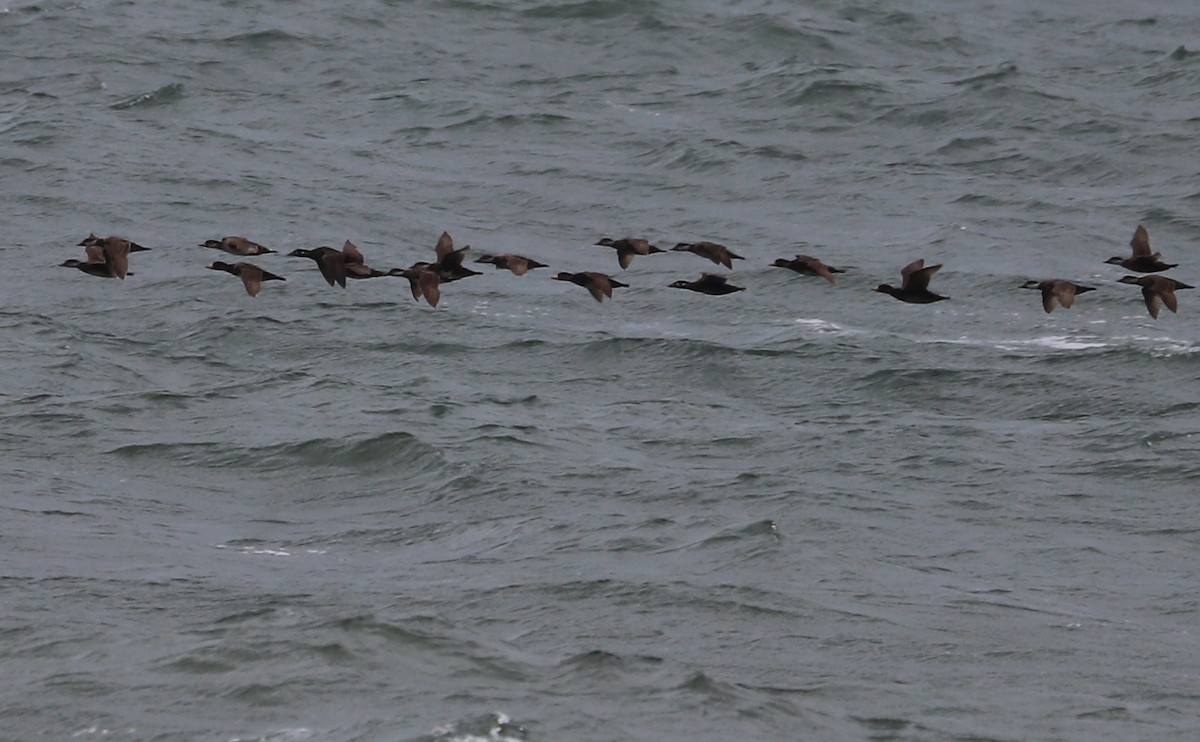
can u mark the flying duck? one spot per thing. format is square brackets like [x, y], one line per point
[236, 246]
[708, 283]
[252, 276]
[1056, 291]
[627, 247]
[352, 258]
[718, 254]
[106, 258]
[914, 287]
[1157, 291]
[99, 268]
[518, 264]
[1142, 260]
[112, 241]
[331, 262]
[423, 282]
[599, 285]
[449, 264]
[810, 266]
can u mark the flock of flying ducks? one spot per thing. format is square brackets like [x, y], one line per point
[108, 257]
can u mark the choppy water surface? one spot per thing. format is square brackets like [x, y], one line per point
[796, 512]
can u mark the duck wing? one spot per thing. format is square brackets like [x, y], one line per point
[361, 270]
[116, 254]
[717, 253]
[638, 245]
[711, 281]
[1050, 297]
[1168, 298]
[351, 253]
[518, 265]
[240, 246]
[1140, 242]
[1153, 303]
[95, 254]
[916, 276]
[820, 269]
[452, 260]
[599, 285]
[430, 286]
[414, 282]
[445, 246]
[333, 266]
[1064, 292]
[1165, 290]
[252, 277]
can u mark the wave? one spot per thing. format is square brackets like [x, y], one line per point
[399, 451]
[492, 727]
[590, 9]
[835, 90]
[1002, 71]
[261, 39]
[165, 95]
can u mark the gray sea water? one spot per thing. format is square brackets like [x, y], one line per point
[796, 512]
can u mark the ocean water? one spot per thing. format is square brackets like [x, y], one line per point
[799, 511]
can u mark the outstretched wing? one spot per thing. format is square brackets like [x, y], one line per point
[252, 277]
[333, 267]
[430, 286]
[820, 269]
[350, 253]
[1140, 242]
[445, 245]
[1168, 298]
[598, 285]
[95, 254]
[1064, 291]
[116, 254]
[916, 275]
[518, 265]
[1152, 301]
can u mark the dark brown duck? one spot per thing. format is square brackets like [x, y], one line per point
[709, 283]
[331, 262]
[423, 282]
[809, 266]
[100, 268]
[715, 252]
[1056, 291]
[518, 264]
[628, 247]
[1157, 291]
[252, 276]
[111, 241]
[449, 264]
[914, 286]
[355, 264]
[106, 258]
[425, 278]
[236, 246]
[1142, 260]
[599, 285]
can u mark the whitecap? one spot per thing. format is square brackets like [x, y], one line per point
[501, 729]
[1054, 342]
[819, 325]
[280, 735]
[1161, 347]
[257, 551]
